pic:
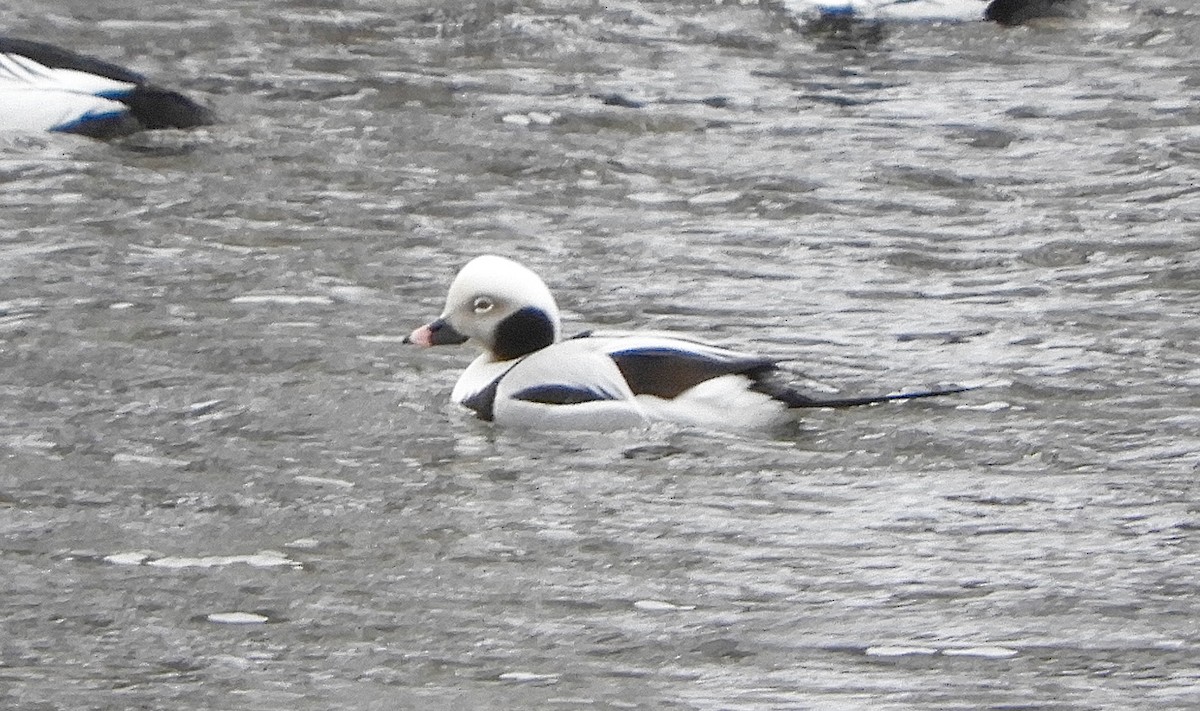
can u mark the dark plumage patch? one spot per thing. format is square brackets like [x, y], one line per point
[158, 108]
[522, 333]
[560, 395]
[102, 127]
[1017, 12]
[484, 401]
[666, 372]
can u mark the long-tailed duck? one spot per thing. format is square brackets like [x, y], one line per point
[530, 376]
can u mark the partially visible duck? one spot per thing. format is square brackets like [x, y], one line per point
[1004, 12]
[48, 88]
[529, 376]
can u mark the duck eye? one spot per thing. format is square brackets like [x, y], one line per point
[482, 305]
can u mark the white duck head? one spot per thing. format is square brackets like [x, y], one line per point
[501, 305]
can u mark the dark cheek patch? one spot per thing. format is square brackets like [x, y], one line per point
[522, 333]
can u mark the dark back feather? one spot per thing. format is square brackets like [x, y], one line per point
[667, 373]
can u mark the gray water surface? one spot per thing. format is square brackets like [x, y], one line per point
[226, 484]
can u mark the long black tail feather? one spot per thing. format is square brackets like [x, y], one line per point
[768, 383]
[796, 400]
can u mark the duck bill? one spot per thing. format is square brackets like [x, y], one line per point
[437, 333]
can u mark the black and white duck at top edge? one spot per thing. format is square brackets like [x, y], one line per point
[48, 88]
[1004, 12]
[530, 376]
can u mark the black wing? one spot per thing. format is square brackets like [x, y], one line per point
[667, 372]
